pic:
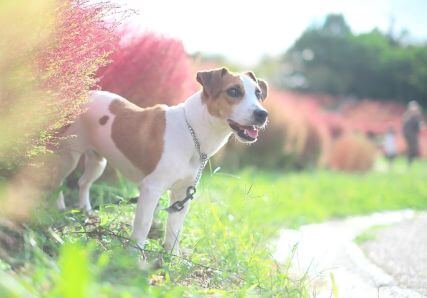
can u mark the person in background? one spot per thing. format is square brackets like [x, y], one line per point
[412, 123]
[390, 146]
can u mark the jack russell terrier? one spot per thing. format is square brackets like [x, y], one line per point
[162, 148]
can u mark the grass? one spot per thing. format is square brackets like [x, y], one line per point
[228, 233]
[369, 234]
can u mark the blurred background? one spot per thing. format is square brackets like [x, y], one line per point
[341, 72]
[341, 75]
[347, 92]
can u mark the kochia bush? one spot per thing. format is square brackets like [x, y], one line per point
[352, 153]
[46, 67]
[148, 69]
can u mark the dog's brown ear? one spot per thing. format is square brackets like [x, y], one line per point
[264, 88]
[261, 83]
[211, 81]
[252, 76]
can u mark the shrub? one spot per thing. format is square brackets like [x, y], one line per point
[352, 153]
[79, 46]
[148, 69]
[43, 86]
[47, 66]
[19, 93]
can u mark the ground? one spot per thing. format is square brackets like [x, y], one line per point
[328, 255]
[401, 251]
[229, 235]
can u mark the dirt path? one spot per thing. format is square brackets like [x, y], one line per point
[327, 253]
[401, 250]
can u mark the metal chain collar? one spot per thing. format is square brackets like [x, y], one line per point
[191, 190]
[203, 156]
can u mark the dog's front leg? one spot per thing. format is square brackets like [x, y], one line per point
[147, 202]
[175, 221]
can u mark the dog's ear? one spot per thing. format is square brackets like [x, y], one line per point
[211, 81]
[264, 88]
[252, 76]
[261, 83]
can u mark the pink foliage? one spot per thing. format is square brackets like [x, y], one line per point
[334, 119]
[148, 69]
[81, 41]
[47, 70]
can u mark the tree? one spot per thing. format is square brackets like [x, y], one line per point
[331, 59]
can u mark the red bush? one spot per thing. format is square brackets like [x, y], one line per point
[80, 44]
[310, 129]
[352, 153]
[47, 65]
[148, 69]
[301, 121]
[370, 116]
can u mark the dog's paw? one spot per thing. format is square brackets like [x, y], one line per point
[142, 261]
[149, 263]
[87, 210]
[172, 249]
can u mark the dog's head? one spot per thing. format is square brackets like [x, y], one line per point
[237, 99]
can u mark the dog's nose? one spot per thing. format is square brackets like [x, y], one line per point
[260, 115]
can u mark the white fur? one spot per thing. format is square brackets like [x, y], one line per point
[178, 164]
[243, 112]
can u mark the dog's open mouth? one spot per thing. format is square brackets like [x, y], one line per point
[248, 133]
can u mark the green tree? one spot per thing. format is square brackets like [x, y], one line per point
[331, 59]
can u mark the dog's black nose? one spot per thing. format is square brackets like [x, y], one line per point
[260, 115]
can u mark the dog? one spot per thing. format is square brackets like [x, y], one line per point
[159, 147]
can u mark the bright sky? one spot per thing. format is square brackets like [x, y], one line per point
[244, 31]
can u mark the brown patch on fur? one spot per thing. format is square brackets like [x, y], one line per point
[103, 120]
[264, 88]
[261, 83]
[211, 81]
[252, 76]
[139, 133]
[215, 84]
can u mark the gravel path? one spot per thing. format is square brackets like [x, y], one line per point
[401, 251]
[327, 255]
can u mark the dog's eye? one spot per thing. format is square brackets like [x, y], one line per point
[234, 92]
[258, 93]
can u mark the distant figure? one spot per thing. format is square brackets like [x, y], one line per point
[412, 123]
[389, 145]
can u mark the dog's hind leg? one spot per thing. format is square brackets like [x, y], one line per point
[67, 162]
[94, 167]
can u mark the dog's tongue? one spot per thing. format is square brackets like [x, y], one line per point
[252, 132]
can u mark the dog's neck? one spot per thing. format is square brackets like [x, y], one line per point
[212, 132]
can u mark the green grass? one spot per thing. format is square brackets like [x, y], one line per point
[368, 234]
[228, 234]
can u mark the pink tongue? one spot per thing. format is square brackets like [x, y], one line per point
[252, 132]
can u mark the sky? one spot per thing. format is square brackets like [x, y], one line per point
[244, 31]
